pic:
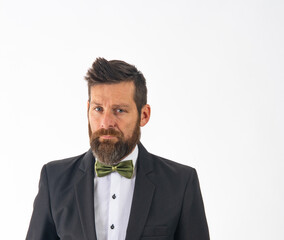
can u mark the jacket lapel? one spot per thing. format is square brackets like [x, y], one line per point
[84, 190]
[142, 197]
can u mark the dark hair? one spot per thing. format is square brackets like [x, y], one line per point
[116, 71]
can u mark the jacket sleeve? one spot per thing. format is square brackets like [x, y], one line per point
[192, 223]
[42, 226]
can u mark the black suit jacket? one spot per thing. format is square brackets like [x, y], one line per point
[167, 202]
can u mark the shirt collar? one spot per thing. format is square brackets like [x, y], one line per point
[132, 156]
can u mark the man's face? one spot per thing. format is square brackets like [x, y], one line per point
[114, 124]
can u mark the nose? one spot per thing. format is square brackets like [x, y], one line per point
[108, 120]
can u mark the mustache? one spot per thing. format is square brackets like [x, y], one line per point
[109, 131]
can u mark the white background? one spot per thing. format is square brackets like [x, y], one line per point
[215, 76]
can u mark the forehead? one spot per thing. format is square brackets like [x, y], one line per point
[123, 91]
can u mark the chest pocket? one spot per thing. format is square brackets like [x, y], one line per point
[155, 233]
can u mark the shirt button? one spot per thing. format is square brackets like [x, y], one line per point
[112, 226]
[113, 196]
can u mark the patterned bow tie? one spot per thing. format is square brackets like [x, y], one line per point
[124, 168]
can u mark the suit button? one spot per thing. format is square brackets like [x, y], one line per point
[113, 196]
[112, 226]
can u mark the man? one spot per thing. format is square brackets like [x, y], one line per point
[117, 190]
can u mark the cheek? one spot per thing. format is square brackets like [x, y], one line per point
[93, 123]
[129, 129]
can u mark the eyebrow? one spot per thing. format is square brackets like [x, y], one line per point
[115, 105]
[121, 105]
[93, 102]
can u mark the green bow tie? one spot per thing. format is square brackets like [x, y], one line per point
[124, 168]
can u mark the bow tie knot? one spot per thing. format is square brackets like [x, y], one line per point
[124, 168]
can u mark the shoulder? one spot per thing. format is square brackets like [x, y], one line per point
[170, 165]
[64, 164]
[68, 169]
[165, 169]
[171, 169]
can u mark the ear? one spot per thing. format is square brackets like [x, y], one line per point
[145, 115]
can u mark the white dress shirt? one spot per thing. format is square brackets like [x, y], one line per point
[113, 199]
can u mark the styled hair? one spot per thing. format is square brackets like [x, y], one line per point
[116, 71]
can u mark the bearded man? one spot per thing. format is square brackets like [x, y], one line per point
[117, 190]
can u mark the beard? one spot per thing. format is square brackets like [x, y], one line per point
[108, 151]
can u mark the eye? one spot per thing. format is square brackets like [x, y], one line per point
[98, 109]
[119, 110]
